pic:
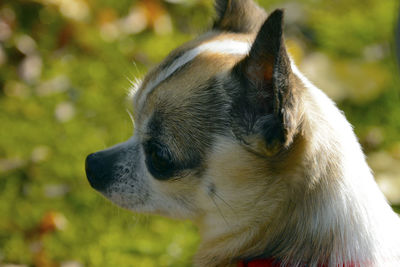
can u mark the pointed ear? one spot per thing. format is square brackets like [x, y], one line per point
[271, 89]
[238, 16]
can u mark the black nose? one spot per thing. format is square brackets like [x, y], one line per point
[99, 169]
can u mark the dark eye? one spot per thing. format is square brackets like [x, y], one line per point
[159, 161]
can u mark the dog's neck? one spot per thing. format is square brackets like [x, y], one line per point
[338, 217]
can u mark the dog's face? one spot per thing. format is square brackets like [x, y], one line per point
[216, 125]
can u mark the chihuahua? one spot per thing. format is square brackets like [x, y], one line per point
[229, 134]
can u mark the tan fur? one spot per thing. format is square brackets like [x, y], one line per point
[206, 38]
[246, 215]
[183, 85]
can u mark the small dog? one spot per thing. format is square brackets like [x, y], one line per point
[229, 134]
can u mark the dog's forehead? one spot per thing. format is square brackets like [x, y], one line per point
[188, 68]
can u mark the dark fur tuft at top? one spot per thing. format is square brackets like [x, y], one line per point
[241, 16]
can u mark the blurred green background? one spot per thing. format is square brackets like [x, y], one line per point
[65, 70]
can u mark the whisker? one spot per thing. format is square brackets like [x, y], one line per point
[135, 85]
[130, 116]
[223, 200]
[219, 210]
[136, 67]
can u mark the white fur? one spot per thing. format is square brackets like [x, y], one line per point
[367, 231]
[369, 226]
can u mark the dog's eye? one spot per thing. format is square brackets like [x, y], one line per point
[159, 162]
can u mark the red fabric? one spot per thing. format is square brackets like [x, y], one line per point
[259, 263]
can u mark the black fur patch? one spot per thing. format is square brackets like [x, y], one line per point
[187, 129]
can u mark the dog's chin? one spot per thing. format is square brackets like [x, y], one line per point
[146, 205]
[129, 202]
[123, 197]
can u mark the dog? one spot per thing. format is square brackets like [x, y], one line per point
[230, 134]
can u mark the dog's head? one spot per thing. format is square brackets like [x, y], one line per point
[217, 124]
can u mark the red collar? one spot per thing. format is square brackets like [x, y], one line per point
[259, 263]
[275, 263]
